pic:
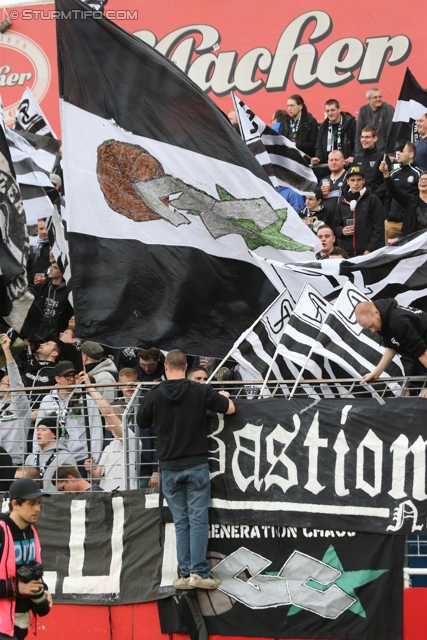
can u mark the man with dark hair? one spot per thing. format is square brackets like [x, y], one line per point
[177, 408]
[38, 369]
[337, 253]
[151, 367]
[368, 160]
[406, 179]
[68, 479]
[314, 214]
[53, 452]
[336, 133]
[326, 236]
[20, 601]
[394, 237]
[54, 302]
[376, 114]
[199, 374]
[415, 216]
[38, 260]
[279, 116]
[359, 218]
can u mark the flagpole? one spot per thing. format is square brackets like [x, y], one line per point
[244, 336]
[264, 384]
[301, 372]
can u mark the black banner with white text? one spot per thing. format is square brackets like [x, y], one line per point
[329, 464]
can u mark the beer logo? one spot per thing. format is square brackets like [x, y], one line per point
[27, 66]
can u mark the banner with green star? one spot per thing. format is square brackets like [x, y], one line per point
[285, 582]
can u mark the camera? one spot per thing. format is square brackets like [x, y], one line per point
[31, 571]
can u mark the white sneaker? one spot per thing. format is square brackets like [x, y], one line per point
[182, 583]
[198, 582]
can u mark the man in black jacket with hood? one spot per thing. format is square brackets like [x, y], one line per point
[177, 408]
[403, 330]
[415, 214]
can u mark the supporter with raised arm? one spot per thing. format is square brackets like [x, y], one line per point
[300, 127]
[52, 454]
[177, 407]
[403, 330]
[109, 471]
[15, 408]
[101, 368]
[415, 215]
[79, 418]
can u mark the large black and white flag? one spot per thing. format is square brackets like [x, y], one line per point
[32, 177]
[166, 204]
[16, 303]
[412, 101]
[284, 164]
[342, 340]
[397, 271]
[30, 117]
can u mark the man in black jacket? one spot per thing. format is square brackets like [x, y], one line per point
[406, 178]
[368, 160]
[359, 218]
[415, 215]
[336, 133]
[177, 408]
[403, 330]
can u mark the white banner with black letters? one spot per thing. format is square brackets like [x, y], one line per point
[347, 464]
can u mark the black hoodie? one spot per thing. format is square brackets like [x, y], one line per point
[177, 408]
[403, 329]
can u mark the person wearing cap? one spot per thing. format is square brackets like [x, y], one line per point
[21, 602]
[15, 408]
[359, 217]
[53, 452]
[79, 417]
[102, 369]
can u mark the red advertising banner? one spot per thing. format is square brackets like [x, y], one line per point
[264, 51]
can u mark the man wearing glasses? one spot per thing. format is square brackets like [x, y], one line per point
[151, 365]
[79, 418]
[415, 217]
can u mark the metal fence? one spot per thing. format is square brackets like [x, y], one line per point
[129, 461]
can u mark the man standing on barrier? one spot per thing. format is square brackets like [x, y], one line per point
[23, 594]
[403, 330]
[177, 408]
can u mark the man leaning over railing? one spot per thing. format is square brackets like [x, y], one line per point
[15, 409]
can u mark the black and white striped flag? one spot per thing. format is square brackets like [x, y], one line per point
[59, 244]
[342, 340]
[284, 164]
[32, 178]
[29, 116]
[398, 271]
[255, 349]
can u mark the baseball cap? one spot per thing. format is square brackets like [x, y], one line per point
[92, 350]
[355, 171]
[27, 489]
[64, 367]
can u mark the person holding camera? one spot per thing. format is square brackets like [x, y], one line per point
[23, 594]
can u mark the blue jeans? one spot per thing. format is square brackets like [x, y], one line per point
[188, 493]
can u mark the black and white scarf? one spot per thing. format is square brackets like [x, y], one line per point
[330, 141]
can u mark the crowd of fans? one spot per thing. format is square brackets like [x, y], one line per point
[372, 174]
[372, 191]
